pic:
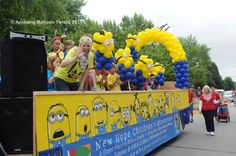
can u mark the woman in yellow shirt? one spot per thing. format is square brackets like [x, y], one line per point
[77, 63]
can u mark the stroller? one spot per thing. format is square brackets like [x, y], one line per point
[223, 113]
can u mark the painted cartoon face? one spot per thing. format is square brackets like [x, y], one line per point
[177, 99]
[99, 111]
[114, 112]
[172, 100]
[83, 120]
[161, 102]
[144, 110]
[58, 122]
[125, 116]
[150, 105]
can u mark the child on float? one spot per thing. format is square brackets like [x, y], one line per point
[56, 48]
[76, 64]
[53, 63]
[101, 80]
[68, 45]
[113, 80]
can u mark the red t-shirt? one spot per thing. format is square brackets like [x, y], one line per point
[208, 105]
[191, 95]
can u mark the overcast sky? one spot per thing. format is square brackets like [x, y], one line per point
[212, 22]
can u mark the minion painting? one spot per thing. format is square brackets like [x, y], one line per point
[58, 126]
[83, 123]
[100, 115]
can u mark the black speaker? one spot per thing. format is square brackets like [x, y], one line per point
[24, 64]
[16, 120]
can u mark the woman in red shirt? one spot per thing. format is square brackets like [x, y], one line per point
[207, 103]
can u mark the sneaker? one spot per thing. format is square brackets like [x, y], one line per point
[207, 133]
[191, 120]
[93, 89]
[212, 133]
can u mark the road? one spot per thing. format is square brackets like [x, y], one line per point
[194, 141]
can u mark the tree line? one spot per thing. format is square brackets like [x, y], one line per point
[202, 69]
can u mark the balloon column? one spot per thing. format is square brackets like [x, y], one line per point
[143, 70]
[125, 64]
[103, 44]
[182, 76]
[158, 71]
[133, 43]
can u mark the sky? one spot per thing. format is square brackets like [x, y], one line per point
[212, 22]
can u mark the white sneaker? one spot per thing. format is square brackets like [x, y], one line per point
[212, 133]
[207, 133]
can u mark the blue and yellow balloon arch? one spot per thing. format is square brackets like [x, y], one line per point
[145, 67]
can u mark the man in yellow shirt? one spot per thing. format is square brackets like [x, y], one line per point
[77, 63]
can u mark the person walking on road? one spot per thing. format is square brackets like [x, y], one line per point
[207, 103]
[191, 96]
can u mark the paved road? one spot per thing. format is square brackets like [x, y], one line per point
[194, 142]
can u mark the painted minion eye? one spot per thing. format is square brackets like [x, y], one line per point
[106, 42]
[52, 118]
[123, 114]
[82, 112]
[96, 107]
[60, 116]
[86, 112]
[136, 102]
[127, 113]
[173, 98]
[112, 112]
[100, 106]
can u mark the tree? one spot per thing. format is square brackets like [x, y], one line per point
[228, 83]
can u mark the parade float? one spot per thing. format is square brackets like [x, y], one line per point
[116, 123]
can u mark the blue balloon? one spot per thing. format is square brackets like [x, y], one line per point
[178, 67]
[102, 60]
[141, 78]
[182, 70]
[178, 80]
[178, 75]
[122, 77]
[124, 70]
[98, 54]
[160, 73]
[111, 60]
[161, 81]
[183, 79]
[108, 66]
[141, 84]
[186, 84]
[181, 62]
[185, 66]
[179, 85]
[175, 63]
[186, 75]
[132, 48]
[131, 69]
[120, 66]
[129, 75]
[134, 81]
[139, 72]
[99, 66]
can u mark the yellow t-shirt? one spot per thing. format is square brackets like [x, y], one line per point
[113, 79]
[71, 73]
[61, 54]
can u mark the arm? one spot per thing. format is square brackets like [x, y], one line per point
[68, 61]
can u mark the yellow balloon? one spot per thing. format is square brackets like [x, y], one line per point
[127, 64]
